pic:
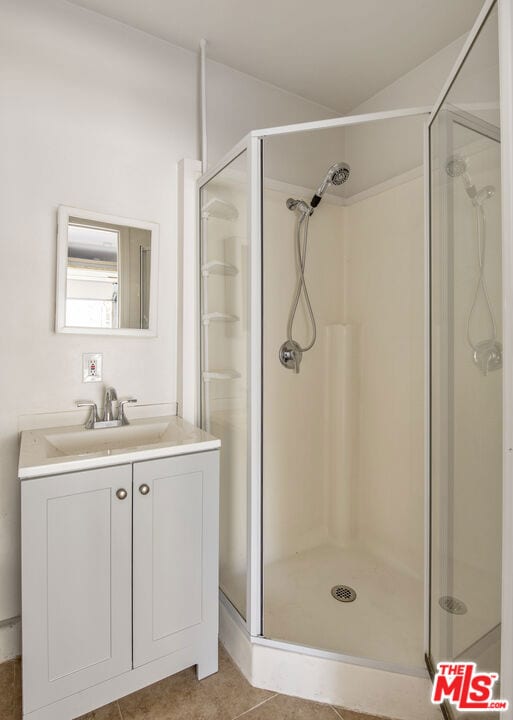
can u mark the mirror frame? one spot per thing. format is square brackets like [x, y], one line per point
[63, 215]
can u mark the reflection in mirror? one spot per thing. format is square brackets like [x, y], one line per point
[105, 278]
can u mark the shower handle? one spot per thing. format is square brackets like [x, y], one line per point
[291, 355]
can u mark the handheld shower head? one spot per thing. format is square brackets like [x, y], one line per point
[457, 166]
[339, 173]
[336, 175]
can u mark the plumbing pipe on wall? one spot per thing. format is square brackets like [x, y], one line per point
[203, 109]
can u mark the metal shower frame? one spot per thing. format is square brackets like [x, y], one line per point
[252, 144]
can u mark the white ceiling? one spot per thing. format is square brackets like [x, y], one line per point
[334, 52]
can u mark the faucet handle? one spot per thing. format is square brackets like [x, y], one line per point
[121, 409]
[93, 415]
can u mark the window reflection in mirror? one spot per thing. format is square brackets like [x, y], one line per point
[92, 276]
[106, 273]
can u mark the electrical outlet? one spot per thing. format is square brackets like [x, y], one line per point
[92, 367]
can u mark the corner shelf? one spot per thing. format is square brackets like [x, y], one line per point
[217, 267]
[220, 375]
[219, 317]
[220, 209]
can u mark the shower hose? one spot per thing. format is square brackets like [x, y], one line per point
[300, 250]
[481, 280]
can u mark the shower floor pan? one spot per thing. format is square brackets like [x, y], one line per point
[384, 623]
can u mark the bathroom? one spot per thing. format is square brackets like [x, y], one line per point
[377, 468]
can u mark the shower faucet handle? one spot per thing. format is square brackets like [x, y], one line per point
[296, 359]
[291, 355]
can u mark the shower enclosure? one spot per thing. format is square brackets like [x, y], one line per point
[361, 503]
[330, 460]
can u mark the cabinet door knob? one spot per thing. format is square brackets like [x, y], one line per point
[121, 493]
[144, 489]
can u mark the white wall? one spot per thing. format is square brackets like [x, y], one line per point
[420, 86]
[91, 119]
[378, 151]
[238, 103]
[94, 115]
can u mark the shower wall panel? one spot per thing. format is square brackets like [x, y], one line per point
[296, 423]
[343, 440]
[384, 303]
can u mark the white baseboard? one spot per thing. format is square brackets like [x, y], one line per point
[356, 687]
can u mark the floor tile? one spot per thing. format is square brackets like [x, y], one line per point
[230, 691]
[7, 690]
[283, 707]
[222, 696]
[107, 712]
[17, 689]
[179, 697]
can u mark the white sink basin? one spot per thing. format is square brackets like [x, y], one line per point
[82, 442]
[64, 449]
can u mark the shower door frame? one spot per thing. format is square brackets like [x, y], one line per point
[505, 30]
[252, 147]
[253, 144]
[506, 111]
[452, 115]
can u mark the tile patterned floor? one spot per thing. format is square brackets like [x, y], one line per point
[224, 696]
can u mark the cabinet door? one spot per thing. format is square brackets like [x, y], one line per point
[175, 554]
[76, 576]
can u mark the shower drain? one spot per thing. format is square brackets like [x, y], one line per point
[344, 593]
[452, 605]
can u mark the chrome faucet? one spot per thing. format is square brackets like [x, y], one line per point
[94, 422]
[110, 395]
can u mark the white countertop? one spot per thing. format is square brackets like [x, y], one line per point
[69, 448]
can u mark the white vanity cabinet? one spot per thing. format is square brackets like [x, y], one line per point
[119, 580]
[76, 538]
[175, 523]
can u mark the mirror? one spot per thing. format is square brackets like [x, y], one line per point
[106, 274]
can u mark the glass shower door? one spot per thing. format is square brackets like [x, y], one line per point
[224, 360]
[466, 365]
